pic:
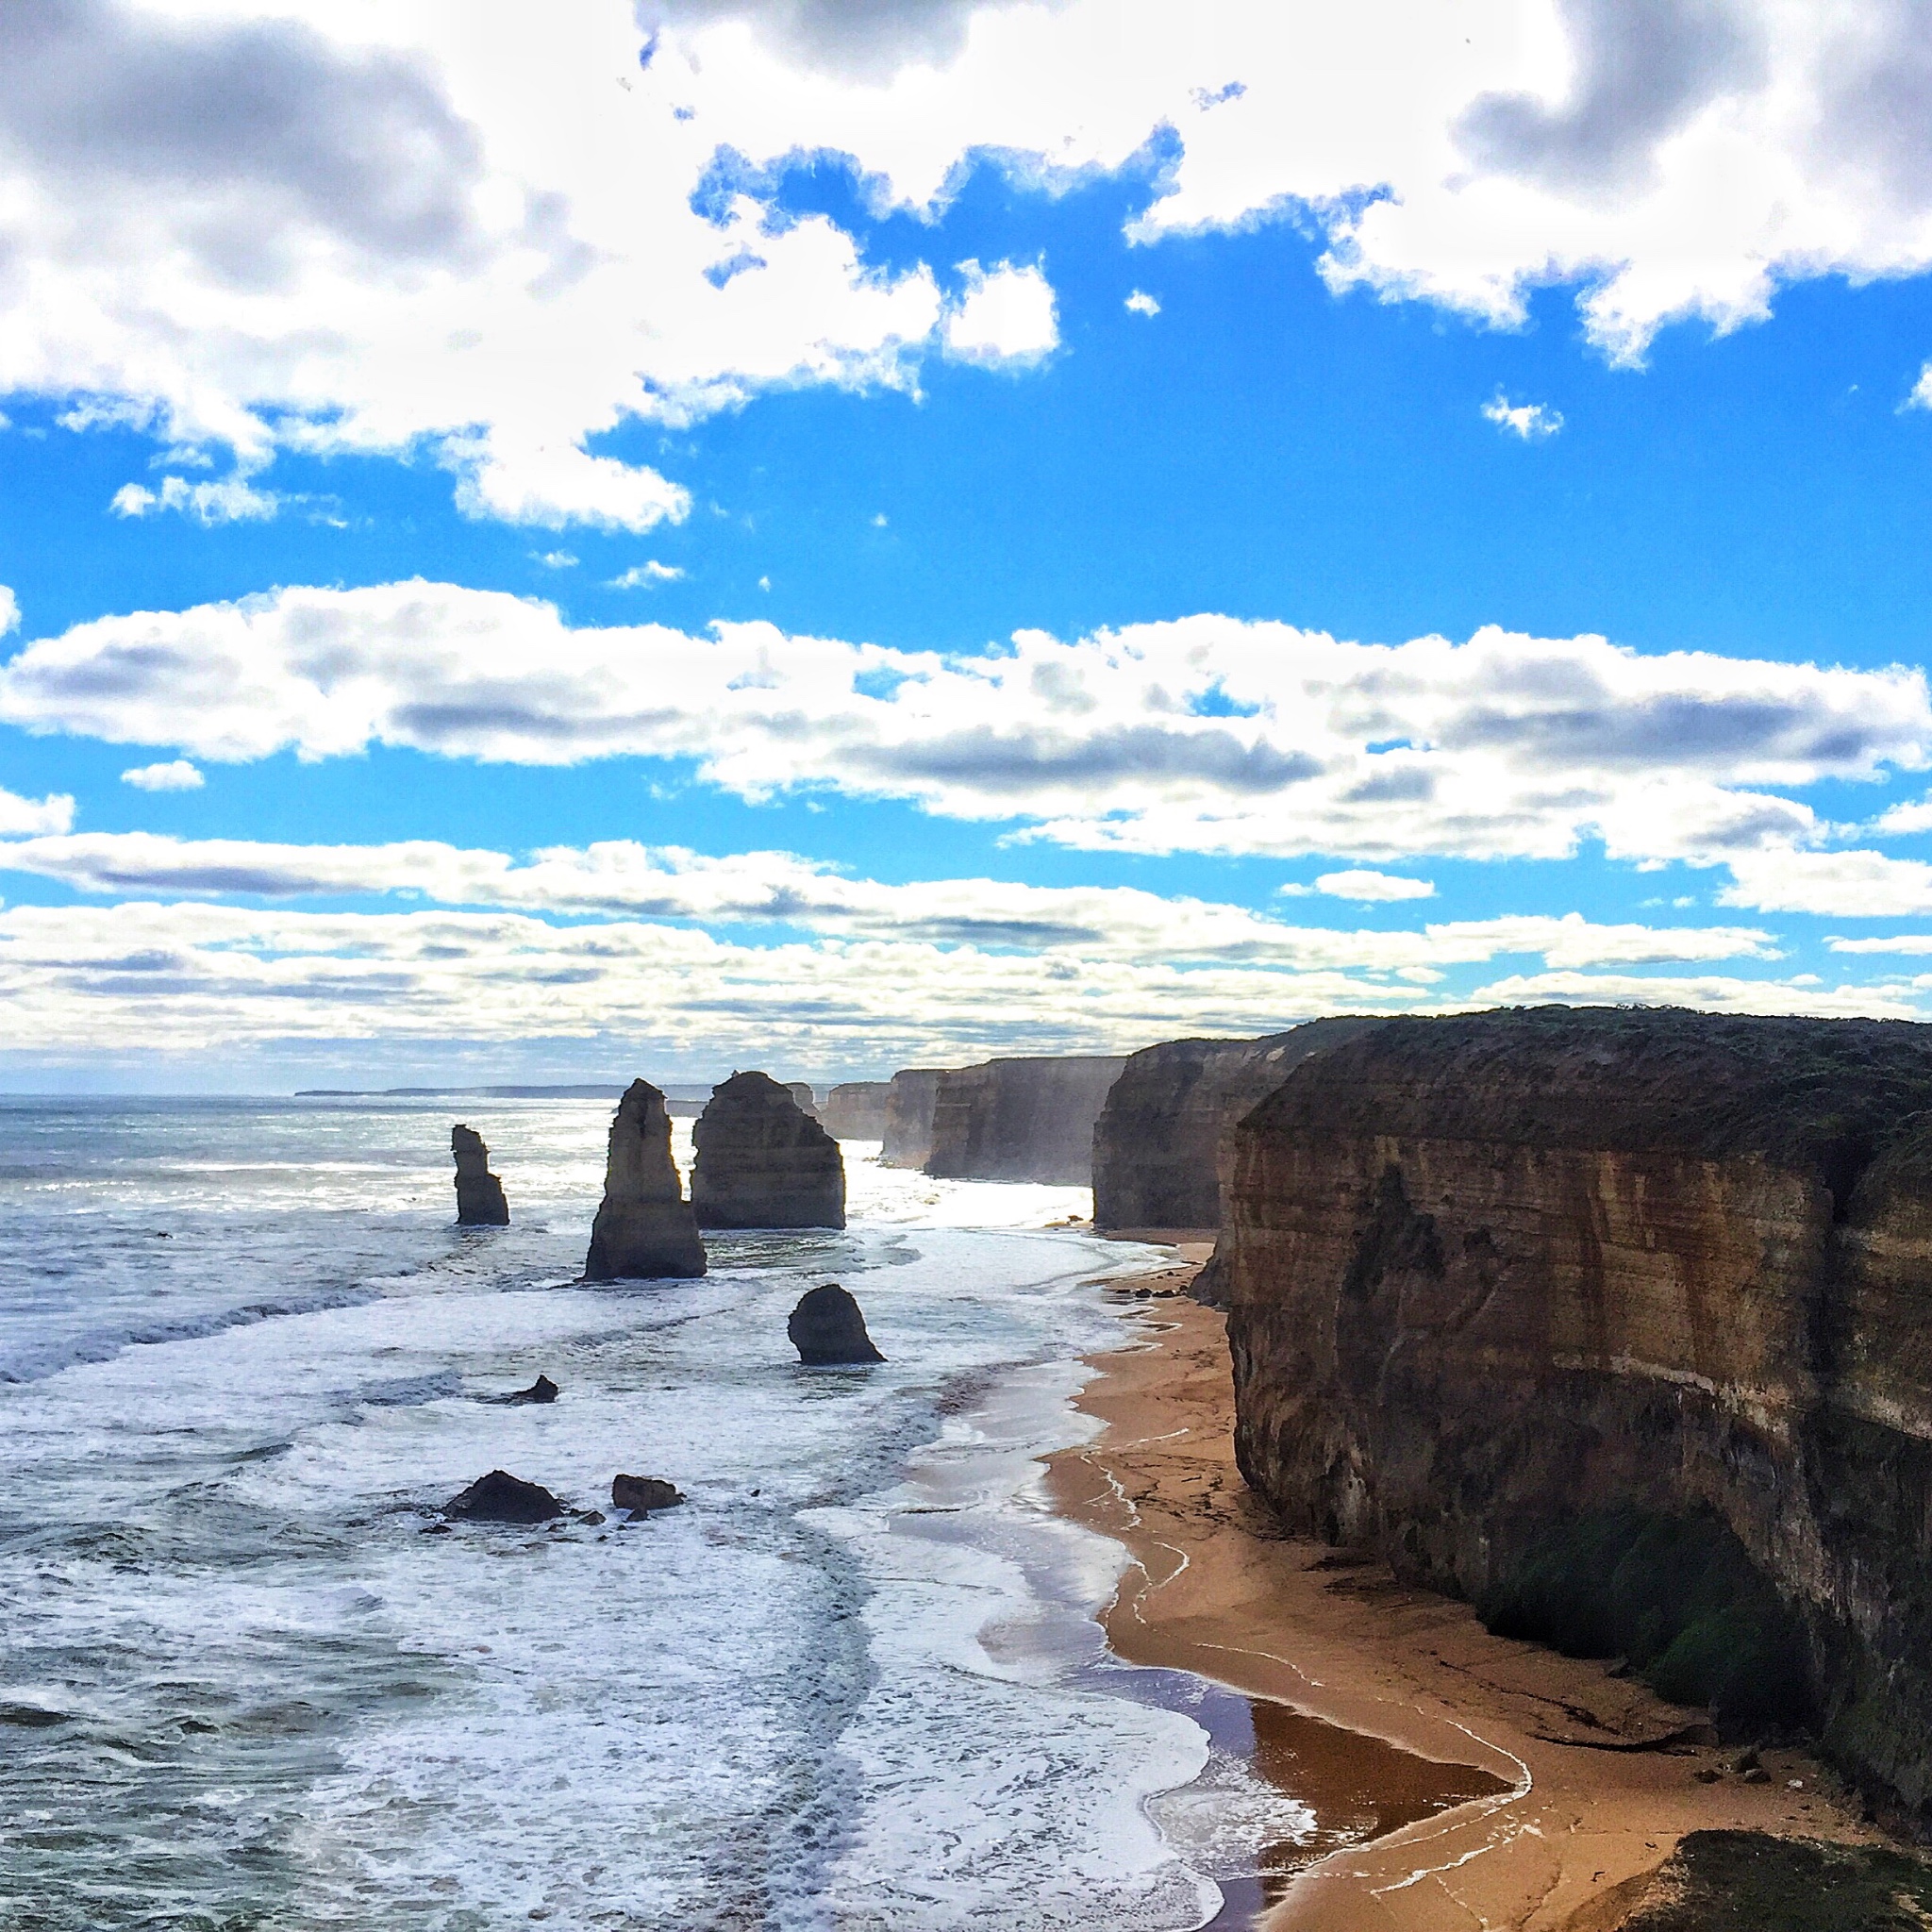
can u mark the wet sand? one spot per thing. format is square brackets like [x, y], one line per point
[1591, 1779]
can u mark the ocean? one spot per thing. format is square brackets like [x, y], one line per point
[855, 1683]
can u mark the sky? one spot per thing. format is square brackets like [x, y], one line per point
[541, 543]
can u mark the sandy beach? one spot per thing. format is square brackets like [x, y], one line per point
[1591, 1779]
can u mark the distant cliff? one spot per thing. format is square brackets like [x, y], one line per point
[1163, 1142]
[1020, 1119]
[909, 1098]
[856, 1110]
[1606, 1316]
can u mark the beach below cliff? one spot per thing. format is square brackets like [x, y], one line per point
[1592, 1781]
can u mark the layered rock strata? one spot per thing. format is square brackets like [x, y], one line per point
[1020, 1119]
[763, 1163]
[479, 1193]
[856, 1110]
[644, 1229]
[1163, 1143]
[1494, 1277]
[910, 1096]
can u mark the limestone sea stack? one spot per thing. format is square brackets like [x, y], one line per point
[828, 1329]
[856, 1110]
[763, 1161]
[910, 1096]
[801, 1092]
[1570, 1311]
[479, 1193]
[644, 1230]
[1020, 1119]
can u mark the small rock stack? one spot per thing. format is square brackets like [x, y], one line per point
[763, 1163]
[644, 1230]
[479, 1193]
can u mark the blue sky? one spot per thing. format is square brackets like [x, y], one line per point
[935, 594]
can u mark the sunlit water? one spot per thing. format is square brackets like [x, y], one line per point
[855, 1683]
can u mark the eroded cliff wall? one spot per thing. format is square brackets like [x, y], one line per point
[909, 1099]
[1163, 1142]
[1488, 1275]
[856, 1110]
[1020, 1119]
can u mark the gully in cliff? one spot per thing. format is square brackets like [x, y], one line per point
[644, 1229]
[763, 1161]
[479, 1193]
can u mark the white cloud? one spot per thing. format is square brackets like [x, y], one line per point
[10, 611]
[1711, 993]
[177, 775]
[226, 500]
[1367, 887]
[556, 560]
[29, 817]
[1205, 733]
[1841, 884]
[645, 576]
[1531, 422]
[1141, 303]
[1006, 315]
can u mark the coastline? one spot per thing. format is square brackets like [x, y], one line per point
[1599, 1779]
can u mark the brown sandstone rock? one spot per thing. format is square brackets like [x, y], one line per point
[1020, 1119]
[641, 1494]
[856, 1110]
[644, 1229]
[479, 1193]
[762, 1162]
[910, 1096]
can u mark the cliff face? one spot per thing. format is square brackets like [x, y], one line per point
[479, 1193]
[909, 1099]
[1020, 1119]
[1163, 1143]
[644, 1229]
[1489, 1276]
[763, 1163]
[856, 1110]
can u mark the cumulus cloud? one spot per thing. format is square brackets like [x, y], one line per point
[1840, 885]
[10, 611]
[219, 500]
[1205, 733]
[1371, 887]
[27, 817]
[1531, 422]
[1005, 315]
[645, 576]
[1141, 303]
[176, 774]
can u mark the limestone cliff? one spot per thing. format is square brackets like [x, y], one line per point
[1493, 1277]
[909, 1098]
[1163, 1143]
[479, 1193]
[644, 1229]
[1020, 1119]
[856, 1110]
[763, 1163]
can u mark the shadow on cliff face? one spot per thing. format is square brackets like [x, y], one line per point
[1679, 1598]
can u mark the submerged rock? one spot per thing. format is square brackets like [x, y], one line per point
[541, 1390]
[644, 1230]
[479, 1193]
[829, 1330]
[500, 1497]
[641, 1494]
[763, 1163]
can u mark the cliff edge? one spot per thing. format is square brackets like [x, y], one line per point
[1590, 1313]
[1020, 1119]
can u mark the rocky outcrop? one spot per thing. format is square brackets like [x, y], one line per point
[1519, 1297]
[644, 1230]
[539, 1392]
[479, 1193]
[763, 1163]
[641, 1494]
[910, 1096]
[803, 1097]
[1020, 1119]
[1163, 1144]
[856, 1110]
[500, 1497]
[829, 1330]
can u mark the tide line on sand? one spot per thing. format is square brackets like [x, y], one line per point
[1587, 1779]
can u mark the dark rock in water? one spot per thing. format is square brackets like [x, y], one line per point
[644, 1230]
[1020, 1119]
[479, 1193]
[641, 1494]
[500, 1497]
[762, 1162]
[541, 1390]
[828, 1331]
[856, 1110]
[909, 1098]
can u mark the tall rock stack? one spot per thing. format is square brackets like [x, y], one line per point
[763, 1161]
[479, 1193]
[645, 1229]
[910, 1096]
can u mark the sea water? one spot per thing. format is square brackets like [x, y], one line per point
[855, 1682]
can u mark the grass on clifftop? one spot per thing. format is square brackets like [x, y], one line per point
[1748, 1881]
[1678, 1597]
